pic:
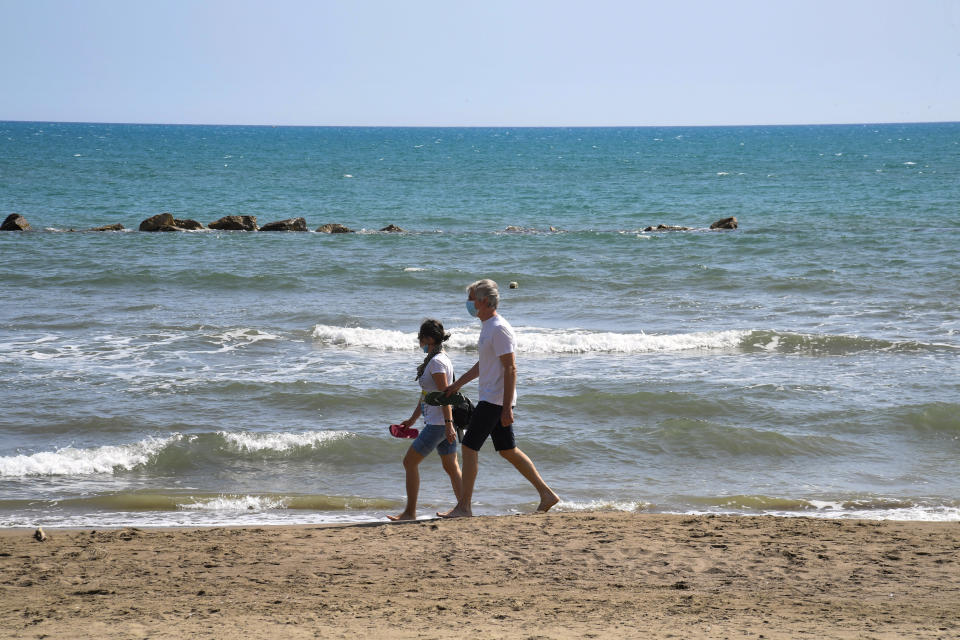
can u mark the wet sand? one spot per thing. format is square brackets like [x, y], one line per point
[557, 575]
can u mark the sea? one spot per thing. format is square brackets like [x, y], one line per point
[806, 363]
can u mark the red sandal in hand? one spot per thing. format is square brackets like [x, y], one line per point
[403, 431]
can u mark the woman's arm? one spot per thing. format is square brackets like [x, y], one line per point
[440, 379]
[412, 420]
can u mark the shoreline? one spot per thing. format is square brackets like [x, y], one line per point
[555, 575]
[24, 529]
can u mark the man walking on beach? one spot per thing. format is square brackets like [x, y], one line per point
[493, 416]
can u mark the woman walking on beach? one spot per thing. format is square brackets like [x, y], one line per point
[435, 373]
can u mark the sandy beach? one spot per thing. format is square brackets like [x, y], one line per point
[531, 576]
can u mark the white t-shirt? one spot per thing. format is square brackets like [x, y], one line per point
[440, 363]
[496, 339]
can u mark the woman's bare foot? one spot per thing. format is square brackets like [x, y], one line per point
[456, 512]
[403, 516]
[547, 501]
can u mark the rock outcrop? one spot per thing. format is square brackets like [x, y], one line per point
[166, 222]
[725, 223]
[109, 227]
[291, 224]
[159, 222]
[392, 228]
[187, 225]
[665, 227]
[235, 223]
[15, 222]
[333, 228]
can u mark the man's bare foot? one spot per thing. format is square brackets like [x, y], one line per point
[546, 502]
[456, 512]
[403, 516]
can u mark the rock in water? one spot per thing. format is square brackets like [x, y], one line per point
[39, 535]
[514, 285]
[665, 227]
[166, 222]
[392, 228]
[235, 223]
[109, 227]
[15, 222]
[187, 225]
[333, 228]
[291, 224]
[159, 222]
[725, 223]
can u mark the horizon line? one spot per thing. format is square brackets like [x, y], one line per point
[484, 126]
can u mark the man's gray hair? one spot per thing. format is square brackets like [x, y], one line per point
[486, 290]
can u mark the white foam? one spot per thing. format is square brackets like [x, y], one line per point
[379, 339]
[237, 338]
[187, 518]
[770, 346]
[581, 341]
[132, 354]
[414, 269]
[73, 461]
[256, 441]
[916, 513]
[234, 503]
[537, 340]
[602, 505]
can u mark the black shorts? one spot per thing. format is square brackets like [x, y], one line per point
[484, 422]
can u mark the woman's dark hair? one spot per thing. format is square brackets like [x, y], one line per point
[431, 329]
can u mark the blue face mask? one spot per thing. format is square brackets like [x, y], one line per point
[472, 308]
[426, 348]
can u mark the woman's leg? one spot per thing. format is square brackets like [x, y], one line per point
[411, 462]
[469, 478]
[452, 467]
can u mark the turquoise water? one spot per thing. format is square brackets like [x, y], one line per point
[806, 363]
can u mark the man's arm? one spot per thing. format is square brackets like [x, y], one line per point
[464, 379]
[509, 362]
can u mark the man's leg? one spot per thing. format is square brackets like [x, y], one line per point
[524, 465]
[452, 467]
[485, 417]
[470, 467]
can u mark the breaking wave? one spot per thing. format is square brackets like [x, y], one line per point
[577, 341]
[536, 340]
[854, 507]
[830, 344]
[172, 452]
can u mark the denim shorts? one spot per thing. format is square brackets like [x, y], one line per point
[433, 436]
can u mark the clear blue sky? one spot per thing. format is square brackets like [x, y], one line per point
[489, 62]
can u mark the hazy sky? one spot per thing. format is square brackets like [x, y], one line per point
[452, 62]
